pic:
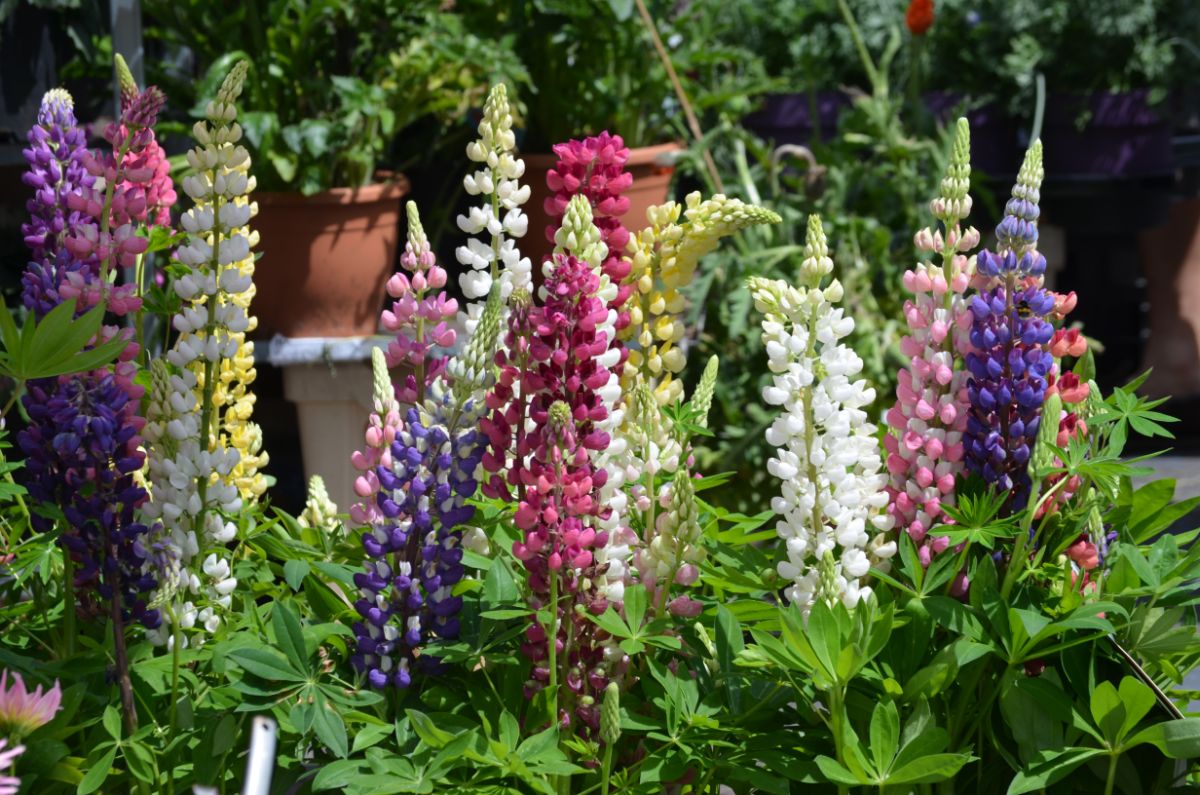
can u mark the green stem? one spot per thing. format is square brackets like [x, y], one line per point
[1111, 779]
[837, 699]
[606, 771]
[177, 642]
[69, 623]
[552, 647]
[106, 212]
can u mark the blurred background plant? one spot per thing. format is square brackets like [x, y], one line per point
[869, 178]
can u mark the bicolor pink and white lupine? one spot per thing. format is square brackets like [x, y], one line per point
[925, 447]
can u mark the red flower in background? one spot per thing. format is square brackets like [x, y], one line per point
[919, 16]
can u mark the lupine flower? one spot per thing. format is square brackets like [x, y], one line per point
[1010, 362]
[23, 712]
[674, 553]
[9, 785]
[414, 543]
[832, 507]
[664, 257]
[553, 369]
[81, 454]
[594, 168]
[196, 426]
[57, 146]
[82, 444]
[418, 316]
[320, 512]
[499, 215]
[579, 237]
[382, 427]
[925, 449]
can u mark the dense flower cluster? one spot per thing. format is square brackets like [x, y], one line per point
[832, 506]
[57, 146]
[1010, 362]
[553, 370]
[424, 473]
[320, 512]
[82, 442]
[500, 215]
[199, 409]
[594, 168]
[664, 257]
[418, 317]
[925, 449]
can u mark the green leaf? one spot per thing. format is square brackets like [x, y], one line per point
[729, 643]
[1178, 739]
[112, 722]
[929, 769]
[1108, 711]
[837, 774]
[294, 572]
[885, 733]
[266, 665]
[1138, 700]
[289, 636]
[636, 602]
[97, 773]
[330, 728]
[427, 730]
[1049, 767]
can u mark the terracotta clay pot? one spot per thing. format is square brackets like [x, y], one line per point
[325, 259]
[651, 166]
[1171, 262]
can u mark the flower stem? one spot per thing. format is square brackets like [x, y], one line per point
[552, 647]
[1111, 779]
[69, 623]
[176, 642]
[121, 659]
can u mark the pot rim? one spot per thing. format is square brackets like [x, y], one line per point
[393, 188]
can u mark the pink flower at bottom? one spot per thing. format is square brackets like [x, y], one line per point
[8, 757]
[21, 712]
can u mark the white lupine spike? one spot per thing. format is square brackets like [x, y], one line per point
[497, 185]
[827, 458]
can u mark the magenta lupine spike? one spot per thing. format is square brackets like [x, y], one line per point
[550, 373]
[925, 448]
[419, 314]
[595, 168]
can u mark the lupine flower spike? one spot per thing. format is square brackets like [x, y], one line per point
[832, 509]
[594, 169]
[925, 448]
[415, 537]
[203, 452]
[419, 314]
[84, 428]
[1010, 362]
[499, 216]
[664, 257]
[320, 512]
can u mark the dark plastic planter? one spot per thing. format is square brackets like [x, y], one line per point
[1125, 137]
[994, 149]
[788, 118]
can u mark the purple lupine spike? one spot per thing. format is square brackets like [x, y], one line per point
[407, 587]
[1010, 364]
[57, 147]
